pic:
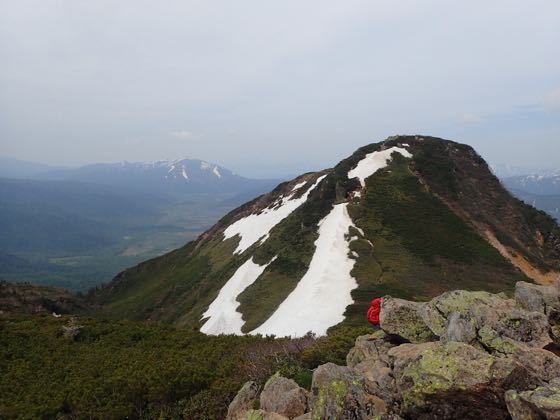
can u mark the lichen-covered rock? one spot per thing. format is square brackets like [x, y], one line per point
[541, 403]
[459, 329]
[378, 380]
[372, 347]
[533, 297]
[402, 318]
[462, 301]
[337, 392]
[433, 318]
[496, 343]
[262, 415]
[542, 364]
[449, 378]
[529, 328]
[243, 401]
[369, 358]
[283, 396]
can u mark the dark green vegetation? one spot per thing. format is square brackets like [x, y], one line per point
[125, 369]
[78, 235]
[424, 220]
[549, 203]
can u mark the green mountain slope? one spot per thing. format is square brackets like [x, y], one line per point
[435, 221]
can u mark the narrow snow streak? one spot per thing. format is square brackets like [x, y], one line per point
[222, 312]
[185, 174]
[322, 295]
[298, 186]
[375, 161]
[253, 227]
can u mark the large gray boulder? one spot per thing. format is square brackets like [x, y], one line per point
[542, 364]
[460, 329]
[493, 319]
[403, 319]
[517, 325]
[541, 403]
[544, 299]
[369, 358]
[452, 380]
[371, 348]
[243, 401]
[338, 392]
[284, 396]
[533, 297]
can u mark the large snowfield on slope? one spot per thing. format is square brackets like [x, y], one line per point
[256, 226]
[373, 162]
[222, 312]
[322, 295]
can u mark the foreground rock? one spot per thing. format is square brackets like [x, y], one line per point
[243, 401]
[284, 396]
[402, 318]
[461, 355]
[541, 403]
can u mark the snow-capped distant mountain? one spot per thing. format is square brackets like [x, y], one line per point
[541, 190]
[181, 175]
[545, 183]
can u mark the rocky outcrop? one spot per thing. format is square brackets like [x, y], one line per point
[243, 402]
[541, 403]
[461, 355]
[402, 318]
[284, 396]
[338, 392]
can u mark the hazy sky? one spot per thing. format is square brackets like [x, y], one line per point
[270, 88]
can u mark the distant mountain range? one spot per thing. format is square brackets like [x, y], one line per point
[410, 217]
[539, 190]
[542, 184]
[76, 228]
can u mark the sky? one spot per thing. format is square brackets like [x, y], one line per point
[275, 88]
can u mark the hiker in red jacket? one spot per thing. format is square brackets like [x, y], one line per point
[373, 312]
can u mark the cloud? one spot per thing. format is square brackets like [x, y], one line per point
[552, 101]
[468, 118]
[185, 135]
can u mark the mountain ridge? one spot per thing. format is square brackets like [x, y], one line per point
[426, 220]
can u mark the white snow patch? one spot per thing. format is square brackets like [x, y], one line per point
[373, 162]
[222, 312]
[253, 227]
[322, 295]
[355, 254]
[184, 173]
[359, 230]
[298, 186]
[216, 172]
[171, 168]
[356, 194]
[204, 165]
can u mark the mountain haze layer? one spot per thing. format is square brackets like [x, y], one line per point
[77, 228]
[412, 216]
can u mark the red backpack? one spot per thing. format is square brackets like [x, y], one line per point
[373, 311]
